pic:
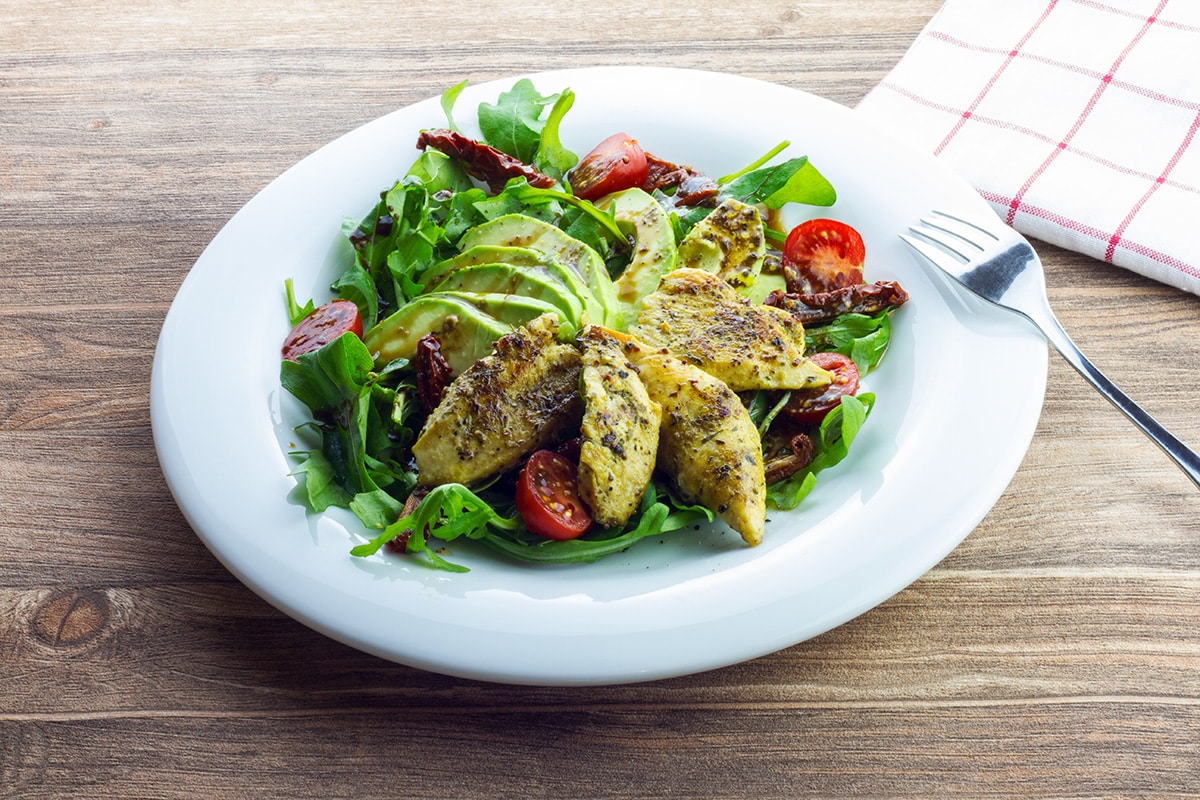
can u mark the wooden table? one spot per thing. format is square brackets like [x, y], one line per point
[1056, 652]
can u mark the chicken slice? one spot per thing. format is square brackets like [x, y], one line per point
[703, 320]
[520, 398]
[620, 430]
[707, 445]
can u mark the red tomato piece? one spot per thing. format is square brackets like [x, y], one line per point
[321, 327]
[821, 255]
[548, 497]
[812, 405]
[616, 163]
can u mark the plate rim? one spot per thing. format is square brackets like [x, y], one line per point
[457, 660]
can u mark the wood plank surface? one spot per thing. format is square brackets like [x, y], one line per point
[1055, 653]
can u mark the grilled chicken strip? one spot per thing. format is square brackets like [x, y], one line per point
[620, 430]
[700, 318]
[519, 399]
[707, 444]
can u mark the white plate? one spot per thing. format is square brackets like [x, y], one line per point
[959, 396]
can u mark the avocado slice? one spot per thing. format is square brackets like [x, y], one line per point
[729, 242]
[485, 254]
[519, 257]
[520, 230]
[514, 310]
[766, 283]
[466, 332]
[509, 279]
[654, 253]
[513, 280]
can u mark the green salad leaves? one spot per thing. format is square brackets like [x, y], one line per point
[366, 415]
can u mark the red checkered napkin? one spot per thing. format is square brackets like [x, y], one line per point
[1076, 119]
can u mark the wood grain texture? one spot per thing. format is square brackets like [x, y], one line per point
[1055, 653]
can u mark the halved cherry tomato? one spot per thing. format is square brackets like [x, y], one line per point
[321, 327]
[616, 163]
[821, 255]
[548, 497]
[811, 405]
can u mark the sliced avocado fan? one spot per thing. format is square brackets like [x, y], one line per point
[520, 230]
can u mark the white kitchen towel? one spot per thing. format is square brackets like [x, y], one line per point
[1076, 119]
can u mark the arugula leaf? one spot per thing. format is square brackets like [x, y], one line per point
[864, 338]
[682, 224]
[404, 264]
[351, 469]
[794, 181]
[449, 98]
[596, 232]
[296, 312]
[552, 157]
[577, 218]
[375, 508]
[331, 382]
[539, 550]
[758, 162]
[807, 185]
[830, 445]
[655, 516]
[453, 511]
[513, 124]
[447, 512]
[402, 236]
[531, 196]
[762, 412]
[321, 488]
[415, 234]
[462, 214]
[355, 285]
[438, 172]
[518, 197]
[329, 379]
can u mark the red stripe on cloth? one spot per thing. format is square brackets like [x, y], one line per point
[1166, 23]
[1159, 181]
[1012, 54]
[1067, 66]
[1075, 226]
[1002, 124]
[1087, 110]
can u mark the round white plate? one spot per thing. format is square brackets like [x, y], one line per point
[959, 396]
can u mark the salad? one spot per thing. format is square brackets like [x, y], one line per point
[559, 356]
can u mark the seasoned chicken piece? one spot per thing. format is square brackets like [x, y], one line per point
[707, 443]
[620, 430]
[517, 400]
[700, 318]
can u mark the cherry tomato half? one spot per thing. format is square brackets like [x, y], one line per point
[821, 255]
[321, 327]
[616, 163]
[548, 497]
[811, 405]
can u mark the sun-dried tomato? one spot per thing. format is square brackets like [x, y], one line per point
[481, 161]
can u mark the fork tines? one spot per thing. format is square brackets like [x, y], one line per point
[964, 239]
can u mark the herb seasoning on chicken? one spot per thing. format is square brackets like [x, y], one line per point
[707, 445]
[703, 320]
[620, 430]
[502, 408]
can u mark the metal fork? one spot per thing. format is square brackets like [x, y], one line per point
[996, 263]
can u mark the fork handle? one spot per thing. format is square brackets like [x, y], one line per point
[1181, 454]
